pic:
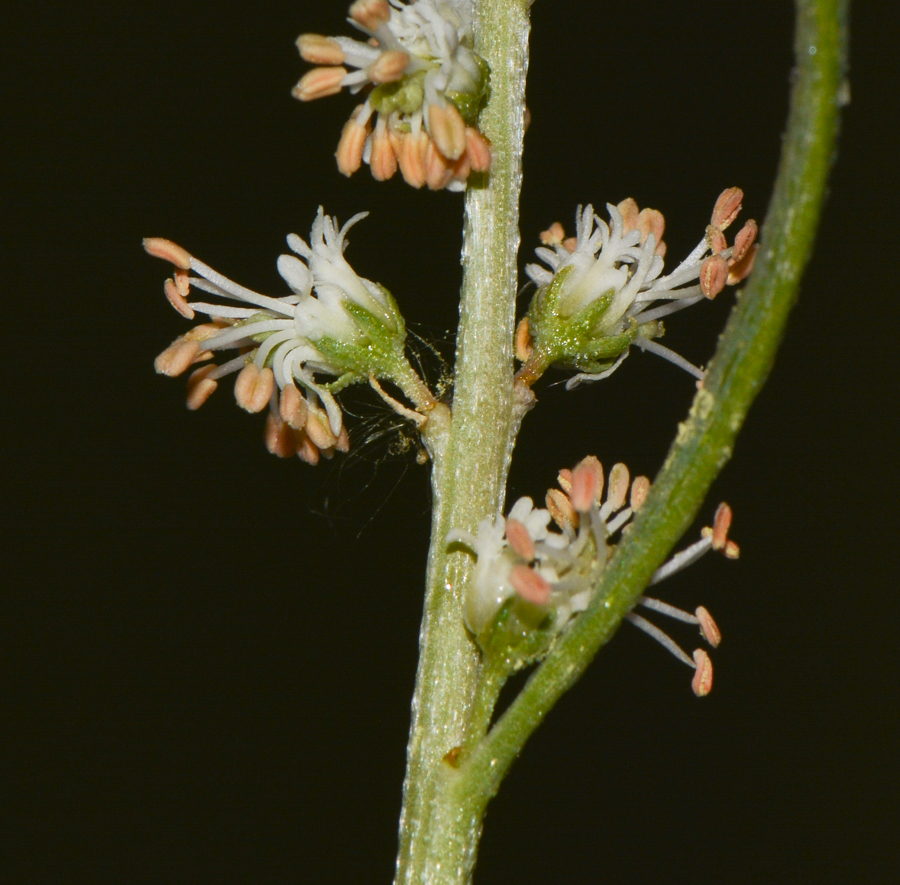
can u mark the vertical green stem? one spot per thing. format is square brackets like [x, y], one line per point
[437, 843]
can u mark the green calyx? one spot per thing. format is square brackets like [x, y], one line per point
[469, 104]
[378, 350]
[578, 340]
[405, 95]
[520, 634]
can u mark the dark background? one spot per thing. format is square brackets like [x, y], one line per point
[209, 653]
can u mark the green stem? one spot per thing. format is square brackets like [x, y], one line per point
[470, 466]
[704, 443]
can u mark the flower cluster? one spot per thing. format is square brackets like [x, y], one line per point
[427, 88]
[529, 581]
[335, 323]
[604, 290]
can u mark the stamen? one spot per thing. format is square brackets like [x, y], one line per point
[253, 388]
[670, 355]
[682, 560]
[200, 387]
[159, 247]
[351, 146]
[177, 299]
[478, 150]
[561, 509]
[662, 638]
[292, 407]
[709, 629]
[670, 611]
[319, 83]
[703, 677]
[530, 585]
[587, 484]
[713, 275]
[727, 207]
[176, 358]
[520, 539]
[320, 50]
[721, 525]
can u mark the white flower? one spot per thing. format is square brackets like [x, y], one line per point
[284, 343]
[521, 557]
[610, 276]
[550, 576]
[427, 86]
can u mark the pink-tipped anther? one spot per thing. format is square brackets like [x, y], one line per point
[520, 539]
[462, 169]
[182, 280]
[744, 240]
[168, 251]
[448, 130]
[524, 341]
[721, 525]
[477, 150]
[319, 83]
[319, 50]
[352, 144]
[709, 630]
[740, 270]
[564, 478]
[619, 480]
[727, 207]
[292, 407]
[438, 170]
[587, 484]
[305, 449]
[561, 509]
[715, 239]
[703, 675]
[651, 221]
[554, 235]
[253, 387]
[529, 585]
[371, 14]
[640, 488]
[176, 358]
[319, 430]
[383, 160]
[629, 211]
[410, 152]
[388, 67]
[713, 275]
[343, 441]
[177, 299]
[200, 388]
[279, 437]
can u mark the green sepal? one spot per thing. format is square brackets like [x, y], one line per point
[405, 95]
[345, 380]
[379, 349]
[469, 104]
[520, 634]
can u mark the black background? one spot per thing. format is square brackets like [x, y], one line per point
[209, 652]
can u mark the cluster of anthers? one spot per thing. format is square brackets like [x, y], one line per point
[607, 284]
[280, 341]
[427, 89]
[520, 561]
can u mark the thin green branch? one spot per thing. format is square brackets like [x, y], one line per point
[704, 443]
